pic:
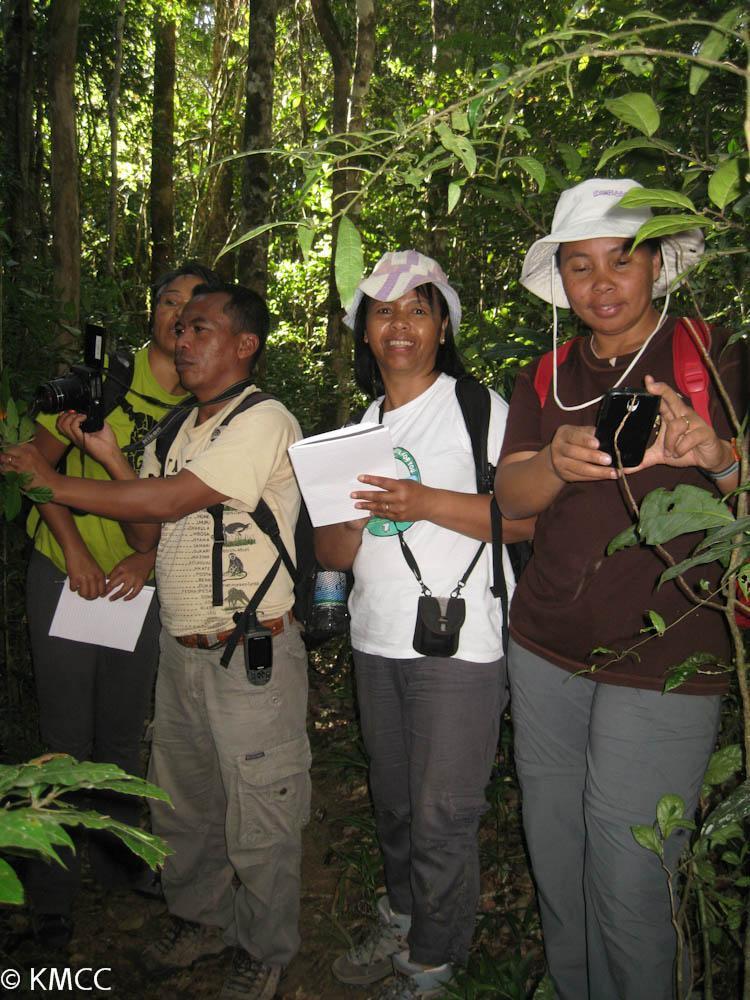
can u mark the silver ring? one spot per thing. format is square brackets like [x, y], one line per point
[686, 418]
[386, 507]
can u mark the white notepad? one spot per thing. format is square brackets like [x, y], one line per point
[101, 622]
[327, 466]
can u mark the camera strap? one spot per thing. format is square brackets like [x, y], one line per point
[411, 562]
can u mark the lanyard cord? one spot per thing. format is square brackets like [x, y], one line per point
[621, 379]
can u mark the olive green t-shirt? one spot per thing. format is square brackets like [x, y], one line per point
[130, 420]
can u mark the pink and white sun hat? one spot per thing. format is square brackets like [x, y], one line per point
[399, 272]
[591, 210]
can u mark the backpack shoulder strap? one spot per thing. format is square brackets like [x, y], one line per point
[166, 438]
[543, 376]
[475, 403]
[691, 374]
[474, 400]
[118, 378]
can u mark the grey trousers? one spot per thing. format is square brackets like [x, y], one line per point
[93, 704]
[235, 760]
[593, 760]
[430, 726]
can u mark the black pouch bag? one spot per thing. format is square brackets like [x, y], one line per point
[439, 619]
[438, 627]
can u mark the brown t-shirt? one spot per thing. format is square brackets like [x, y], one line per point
[572, 597]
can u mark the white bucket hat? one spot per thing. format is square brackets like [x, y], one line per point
[397, 273]
[591, 210]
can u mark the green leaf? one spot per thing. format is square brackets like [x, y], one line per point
[32, 831]
[39, 494]
[637, 65]
[667, 225]
[349, 264]
[700, 560]
[676, 676]
[624, 540]
[571, 157]
[723, 765]
[713, 46]
[454, 193]
[724, 185]
[459, 121]
[11, 414]
[533, 168]
[11, 501]
[657, 622]
[666, 514]
[459, 145]
[474, 108]
[66, 772]
[257, 231]
[11, 890]
[655, 198]
[305, 236]
[635, 109]
[625, 147]
[26, 430]
[734, 809]
[647, 837]
[670, 815]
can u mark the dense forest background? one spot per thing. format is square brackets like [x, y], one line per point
[290, 143]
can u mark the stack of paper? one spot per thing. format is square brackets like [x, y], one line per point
[327, 466]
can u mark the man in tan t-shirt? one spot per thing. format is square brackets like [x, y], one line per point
[230, 744]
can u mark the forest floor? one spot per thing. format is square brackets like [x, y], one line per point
[341, 879]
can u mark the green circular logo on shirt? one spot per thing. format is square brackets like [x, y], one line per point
[381, 527]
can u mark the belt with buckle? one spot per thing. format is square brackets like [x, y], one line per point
[215, 640]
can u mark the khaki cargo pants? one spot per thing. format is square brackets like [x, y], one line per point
[235, 760]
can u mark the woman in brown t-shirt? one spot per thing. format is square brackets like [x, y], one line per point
[597, 743]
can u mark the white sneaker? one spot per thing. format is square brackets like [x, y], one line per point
[370, 961]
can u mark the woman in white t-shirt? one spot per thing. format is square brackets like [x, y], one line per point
[430, 722]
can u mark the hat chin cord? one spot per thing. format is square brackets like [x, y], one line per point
[633, 363]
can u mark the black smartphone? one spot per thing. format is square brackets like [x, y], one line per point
[638, 409]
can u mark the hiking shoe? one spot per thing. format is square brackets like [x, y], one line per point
[369, 961]
[250, 979]
[413, 982]
[182, 945]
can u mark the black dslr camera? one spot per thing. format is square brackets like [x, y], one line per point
[80, 389]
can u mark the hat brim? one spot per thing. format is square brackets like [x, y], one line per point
[541, 275]
[372, 287]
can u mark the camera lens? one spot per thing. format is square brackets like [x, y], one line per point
[69, 392]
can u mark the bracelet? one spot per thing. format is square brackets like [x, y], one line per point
[724, 473]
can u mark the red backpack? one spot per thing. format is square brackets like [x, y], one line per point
[692, 379]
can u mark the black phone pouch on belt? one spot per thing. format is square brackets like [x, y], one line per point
[439, 619]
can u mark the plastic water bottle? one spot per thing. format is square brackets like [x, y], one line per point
[329, 614]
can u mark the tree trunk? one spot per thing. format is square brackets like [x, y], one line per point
[18, 125]
[227, 92]
[66, 234]
[349, 93]
[256, 169]
[113, 99]
[162, 150]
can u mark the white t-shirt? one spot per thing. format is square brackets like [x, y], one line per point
[243, 460]
[432, 445]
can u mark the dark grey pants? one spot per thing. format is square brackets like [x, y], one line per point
[594, 760]
[430, 726]
[93, 704]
